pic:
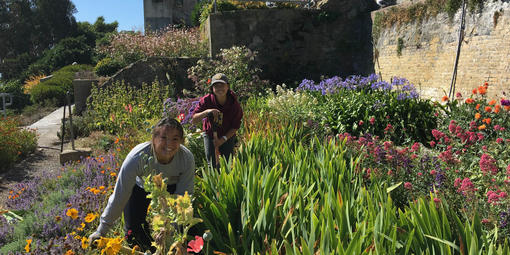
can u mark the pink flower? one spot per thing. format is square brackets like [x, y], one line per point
[437, 200]
[457, 182]
[408, 185]
[485, 221]
[488, 164]
[415, 147]
[360, 123]
[196, 245]
[372, 121]
[433, 172]
[387, 145]
[390, 172]
[492, 197]
[420, 174]
[499, 140]
[432, 144]
[458, 95]
[389, 127]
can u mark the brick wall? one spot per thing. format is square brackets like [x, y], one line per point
[428, 52]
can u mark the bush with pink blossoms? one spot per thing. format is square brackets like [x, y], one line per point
[126, 48]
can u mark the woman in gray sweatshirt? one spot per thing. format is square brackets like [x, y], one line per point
[163, 154]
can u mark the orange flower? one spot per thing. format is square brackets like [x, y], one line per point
[58, 218]
[73, 213]
[90, 217]
[482, 90]
[444, 99]
[27, 247]
[487, 120]
[488, 109]
[482, 127]
[69, 252]
[507, 107]
[477, 106]
[492, 102]
[474, 91]
[497, 108]
[84, 243]
[478, 115]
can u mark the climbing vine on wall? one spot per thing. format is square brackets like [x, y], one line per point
[418, 12]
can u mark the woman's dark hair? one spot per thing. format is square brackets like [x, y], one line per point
[171, 122]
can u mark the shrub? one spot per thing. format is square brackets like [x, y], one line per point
[58, 85]
[80, 127]
[15, 88]
[108, 66]
[126, 48]
[238, 64]
[65, 52]
[360, 105]
[122, 107]
[15, 143]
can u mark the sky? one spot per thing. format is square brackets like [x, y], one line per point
[128, 13]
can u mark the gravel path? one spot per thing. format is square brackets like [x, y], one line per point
[45, 158]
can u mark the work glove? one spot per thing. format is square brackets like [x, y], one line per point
[93, 237]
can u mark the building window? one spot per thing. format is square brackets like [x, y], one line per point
[179, 3]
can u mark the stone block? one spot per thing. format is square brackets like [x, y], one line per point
[67, 156]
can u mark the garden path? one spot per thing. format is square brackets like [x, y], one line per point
[45, 158]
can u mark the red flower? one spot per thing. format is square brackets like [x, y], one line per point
[372, 121]
[196, 245]
[181, 117]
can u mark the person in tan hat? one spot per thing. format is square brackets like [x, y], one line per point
[221, 114]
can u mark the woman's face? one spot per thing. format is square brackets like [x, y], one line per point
[220, 89]
[166, 142]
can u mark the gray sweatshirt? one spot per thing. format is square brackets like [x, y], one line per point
[141, 162]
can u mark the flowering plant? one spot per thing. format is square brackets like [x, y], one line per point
[170, 216]
[237, 63]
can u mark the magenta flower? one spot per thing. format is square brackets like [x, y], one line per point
[408, 185]
[488, 164]
[415, 147]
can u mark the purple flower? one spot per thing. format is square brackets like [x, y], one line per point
[505, 102]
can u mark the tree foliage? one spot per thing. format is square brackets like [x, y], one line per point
[30, 27]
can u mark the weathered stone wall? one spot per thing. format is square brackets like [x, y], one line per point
[428, 51]
[158, 14]
[294, 44]
[164, 70]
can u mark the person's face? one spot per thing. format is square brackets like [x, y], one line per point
[220, 89]
[166, 142]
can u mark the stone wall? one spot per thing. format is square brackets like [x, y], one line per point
[158, 14]
[294, 44]
[164, 70]
[428, 52]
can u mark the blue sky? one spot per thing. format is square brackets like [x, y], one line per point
[128, 13]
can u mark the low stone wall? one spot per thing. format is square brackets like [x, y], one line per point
[294, 44]
[425, 52]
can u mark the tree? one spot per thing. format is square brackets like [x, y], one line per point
[28, 28]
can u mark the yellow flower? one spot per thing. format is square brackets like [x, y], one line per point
[27, 247]
[69, 252]
[112, 247]
[73, 213]
[90, 217]
[84, 243]
[58, 218]
[81, 227]
[101, 242]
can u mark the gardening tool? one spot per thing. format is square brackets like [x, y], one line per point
[215, 124]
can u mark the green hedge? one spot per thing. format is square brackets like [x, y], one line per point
[56, 87]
